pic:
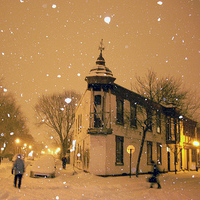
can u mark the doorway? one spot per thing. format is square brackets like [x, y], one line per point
[168, 157]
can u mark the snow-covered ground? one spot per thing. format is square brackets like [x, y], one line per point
[67, 186]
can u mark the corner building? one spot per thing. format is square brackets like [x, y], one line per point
[107, 122]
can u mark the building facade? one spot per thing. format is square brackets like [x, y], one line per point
[109, 118]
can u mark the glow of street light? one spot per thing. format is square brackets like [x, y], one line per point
[196, 143]
[57, 150]
[17, 141]
[42, 152]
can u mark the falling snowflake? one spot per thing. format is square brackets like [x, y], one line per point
[54, 6]
[78, 74]
[160, 3]
[59, 76]
[68, 100]
[107, 20]
[44, 5]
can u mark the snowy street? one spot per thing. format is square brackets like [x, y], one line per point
[66, 185]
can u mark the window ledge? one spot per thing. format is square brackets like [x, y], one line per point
[105, 131]
[119, 164]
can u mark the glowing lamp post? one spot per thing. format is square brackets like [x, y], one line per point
[17, 141]
[196, 144]
[130, 150]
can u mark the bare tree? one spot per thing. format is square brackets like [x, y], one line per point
[146, 125]
[164, 91]
[13, 124]
[57, 111]
[168, 90]
[145, 111]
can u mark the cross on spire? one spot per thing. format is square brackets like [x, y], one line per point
[101, 47]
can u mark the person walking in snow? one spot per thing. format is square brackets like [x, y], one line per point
[154, 179]
[64, 162]
[18, 169]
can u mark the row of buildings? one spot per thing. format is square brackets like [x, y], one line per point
[110, 118]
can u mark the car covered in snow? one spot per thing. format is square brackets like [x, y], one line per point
[45, 166]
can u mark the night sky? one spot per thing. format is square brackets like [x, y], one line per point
[50, 45]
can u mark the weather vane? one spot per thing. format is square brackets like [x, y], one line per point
[101, 47]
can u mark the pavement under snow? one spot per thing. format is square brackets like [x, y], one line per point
[68, 185]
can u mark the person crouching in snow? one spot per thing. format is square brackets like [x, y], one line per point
[154, 178]
[19, 169]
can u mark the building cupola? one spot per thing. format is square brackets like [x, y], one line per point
[100, 74]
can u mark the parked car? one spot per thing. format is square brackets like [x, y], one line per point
[45, 166]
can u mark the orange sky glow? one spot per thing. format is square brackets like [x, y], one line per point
[50, 46]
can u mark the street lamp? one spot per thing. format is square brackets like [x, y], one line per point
[17, 141]
[196, 144]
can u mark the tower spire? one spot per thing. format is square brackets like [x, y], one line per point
[101, 47]
[100, 74]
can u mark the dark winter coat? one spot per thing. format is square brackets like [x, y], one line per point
[18, 166]
[64, 160]
[156, 171]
